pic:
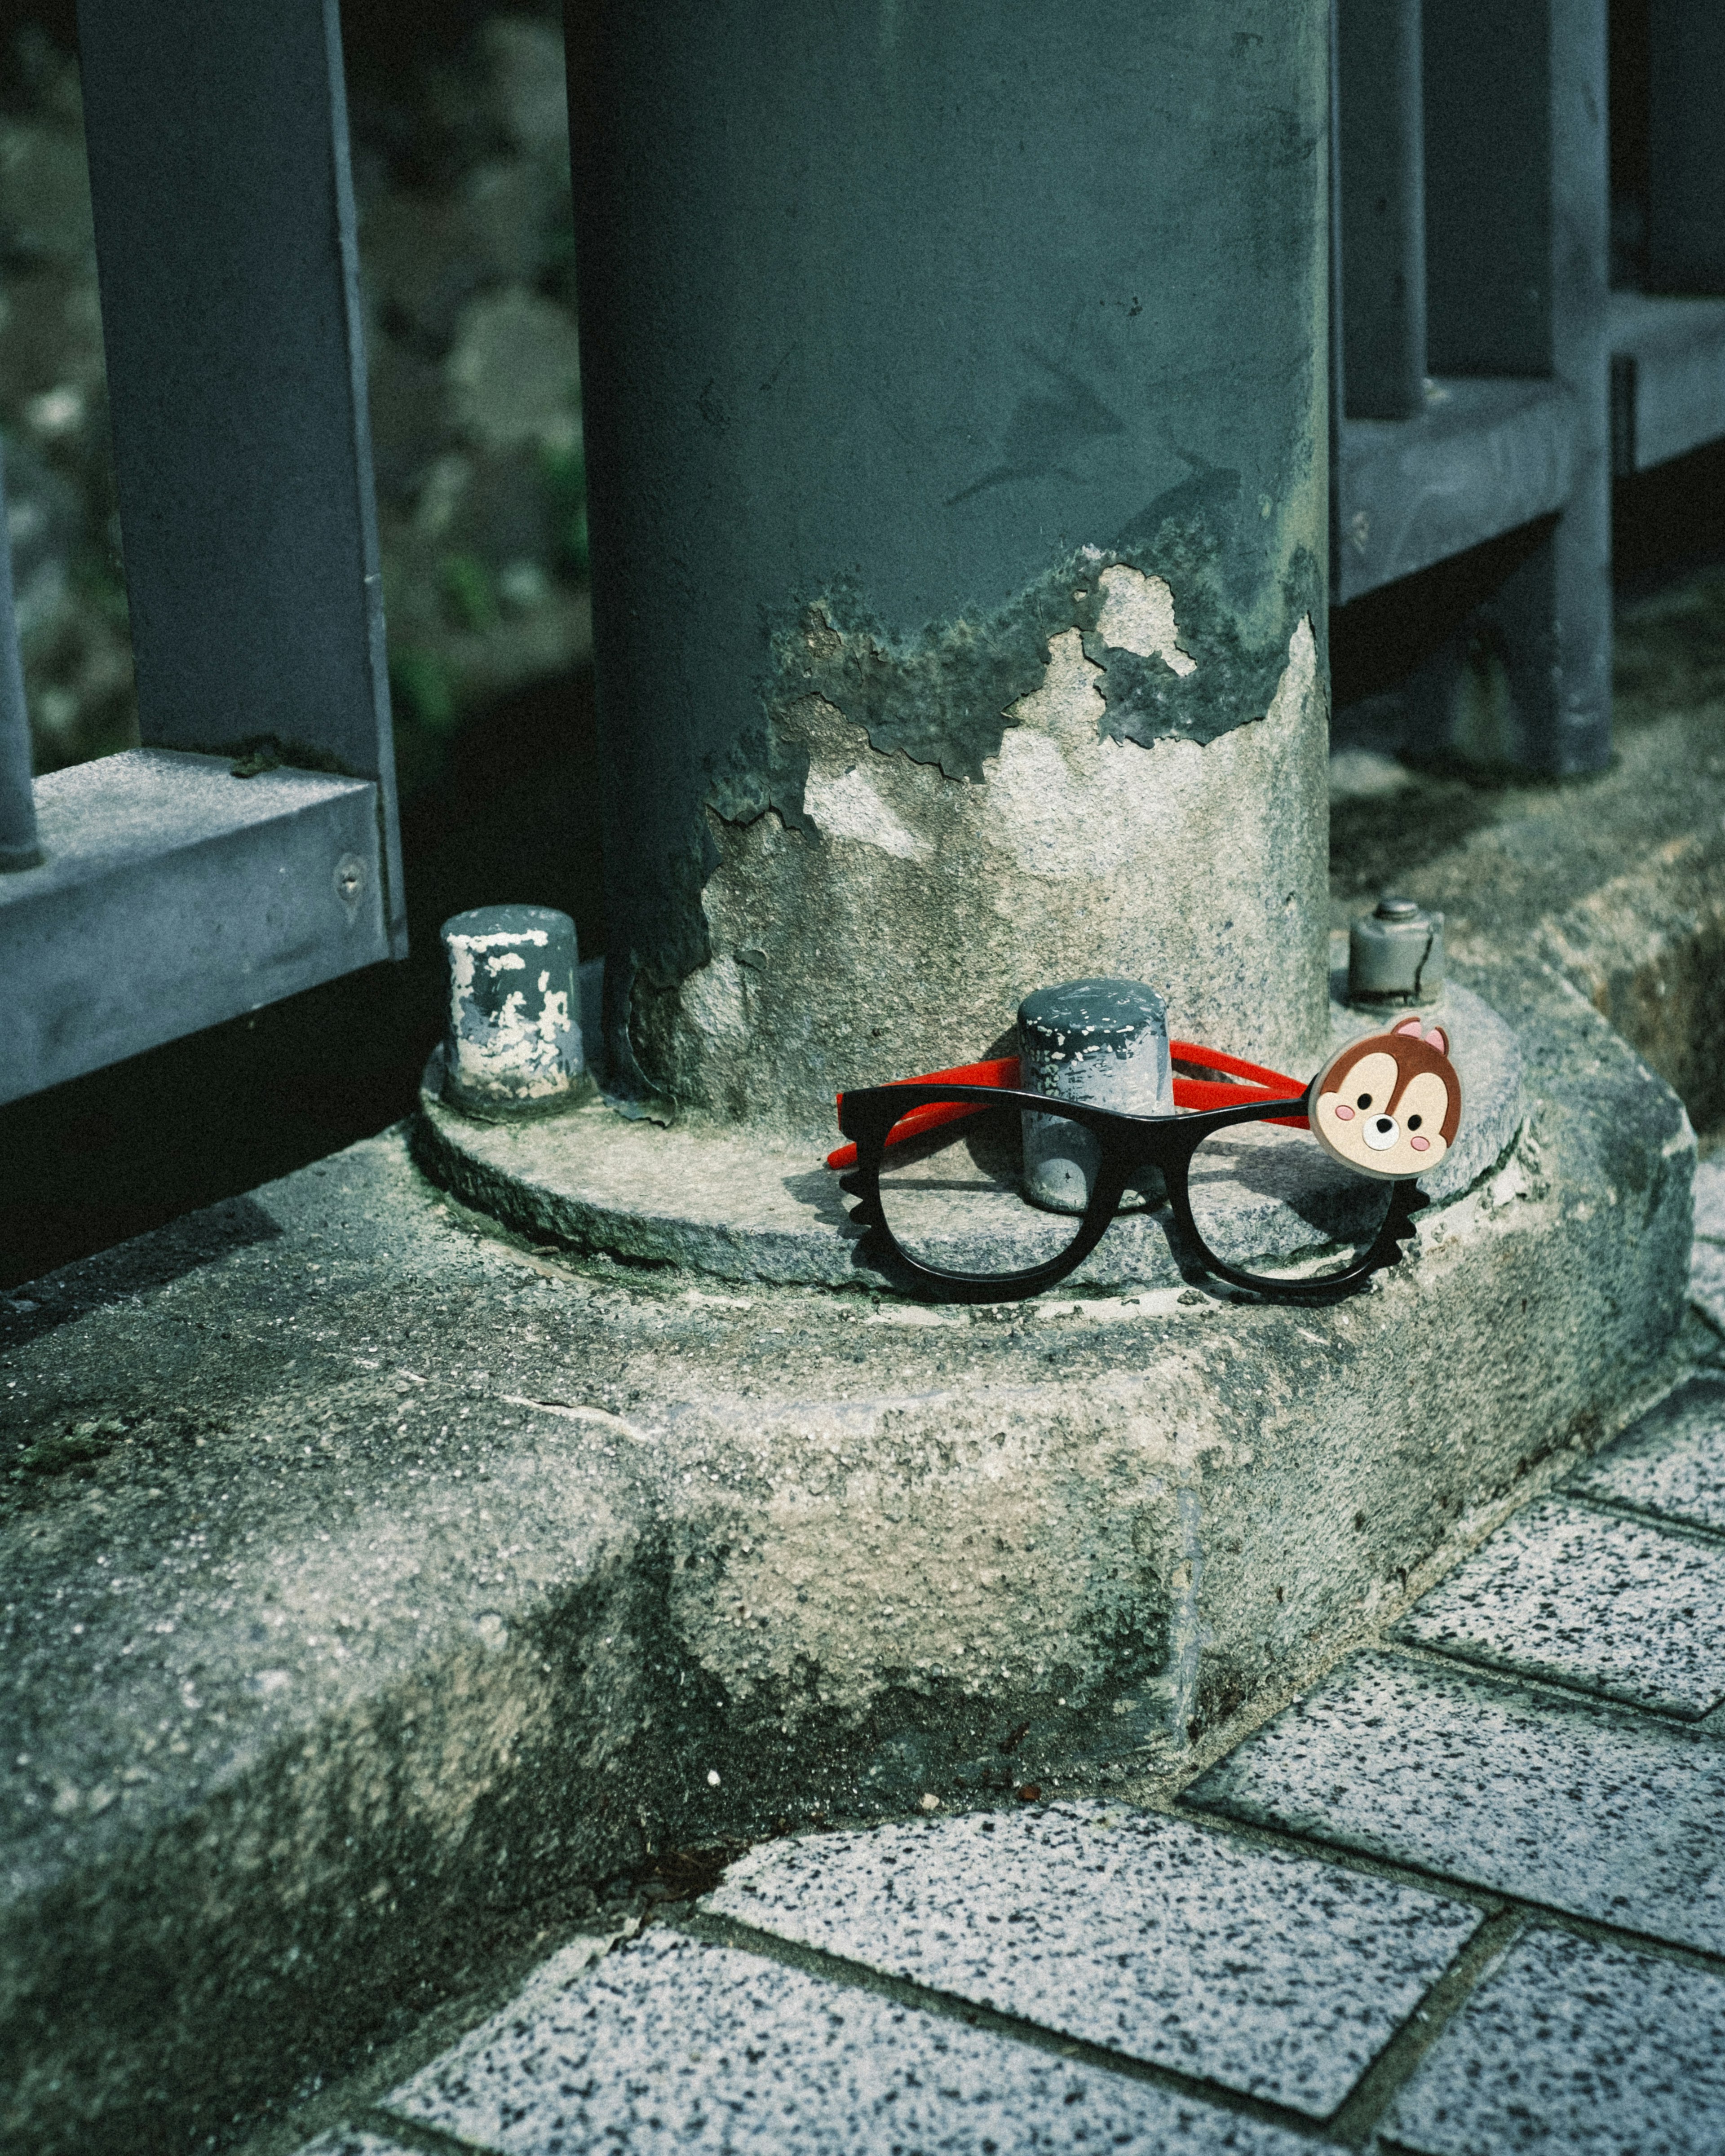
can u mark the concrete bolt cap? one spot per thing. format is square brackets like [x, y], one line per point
[513, 1043]
[1102, 1041]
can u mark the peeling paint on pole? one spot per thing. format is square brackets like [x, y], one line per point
[1138, 615]
[903, 933]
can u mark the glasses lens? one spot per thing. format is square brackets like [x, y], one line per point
[1270, 1201]
[953, 1198]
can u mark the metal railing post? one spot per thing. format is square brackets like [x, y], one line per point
[228, 267]
[1380, 150]
[1685, 208]
[19, 847]
[248, 849]
[1516, 249]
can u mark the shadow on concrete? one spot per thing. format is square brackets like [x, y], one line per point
[514, 815]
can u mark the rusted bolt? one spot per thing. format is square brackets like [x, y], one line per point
[513, 1044]
[349, 879]
[1395, 954]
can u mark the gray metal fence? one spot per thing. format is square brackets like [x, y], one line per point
[1487, 379]
[249, 849]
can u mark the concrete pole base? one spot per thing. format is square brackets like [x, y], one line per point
[744, 1205]
[471, 1577]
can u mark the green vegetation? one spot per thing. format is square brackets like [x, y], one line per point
[470, 591]
[423, 693]
[565, 472]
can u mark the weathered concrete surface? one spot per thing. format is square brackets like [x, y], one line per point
[744, 1205]
[1707, 1274]
[900, 923]
[281, 1662]
[488, 1578]
[1186, 1952]
[1618, 884]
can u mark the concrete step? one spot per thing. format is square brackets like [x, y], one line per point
[385, 1597]
[379, 1589]
[1468, 1913]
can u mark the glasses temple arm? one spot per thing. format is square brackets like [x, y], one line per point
[1003, 1070]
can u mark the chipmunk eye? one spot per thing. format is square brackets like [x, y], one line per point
[1414, 1122]
[1363, 1102]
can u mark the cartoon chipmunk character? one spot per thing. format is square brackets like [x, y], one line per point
[1389, 1105]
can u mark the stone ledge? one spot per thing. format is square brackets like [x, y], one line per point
[376, 1584]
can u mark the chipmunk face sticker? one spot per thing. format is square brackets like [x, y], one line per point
[1389, 1105]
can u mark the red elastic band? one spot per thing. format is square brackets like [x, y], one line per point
[1003, 1072]
[1188, 1092]
[1213, 1059]
[1215, 1093]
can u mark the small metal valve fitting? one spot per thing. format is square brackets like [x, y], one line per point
[1395, 954]
[1102, 1041]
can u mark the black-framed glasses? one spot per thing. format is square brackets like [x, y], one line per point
[1252, 1194]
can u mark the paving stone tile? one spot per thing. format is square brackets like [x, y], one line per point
[1671, 1462]
[1583, 1808]
[1710, 1201]
[1573, 2044]
[1272, 1973]
[1706, 1283]
[670, 2044]
[352, 2141]
[1614, 1605]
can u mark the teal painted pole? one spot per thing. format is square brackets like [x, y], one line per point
[19, 847]
[955, 385]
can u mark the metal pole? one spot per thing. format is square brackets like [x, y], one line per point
[18, 846]
[1517, 252]
[1381, 149]
[1685, 209]
[954, 403]
[225, 244]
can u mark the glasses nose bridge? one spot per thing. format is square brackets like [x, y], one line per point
[1140, 1142]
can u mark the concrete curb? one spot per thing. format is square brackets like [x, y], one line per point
[377, 1585]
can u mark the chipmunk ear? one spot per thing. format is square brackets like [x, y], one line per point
[1417, 1029]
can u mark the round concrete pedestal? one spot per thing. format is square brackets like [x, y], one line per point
[744, 1207]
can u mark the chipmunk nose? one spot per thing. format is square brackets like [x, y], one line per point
[1381, 1133]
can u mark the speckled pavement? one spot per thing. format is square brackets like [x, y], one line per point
[1467, 1895]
